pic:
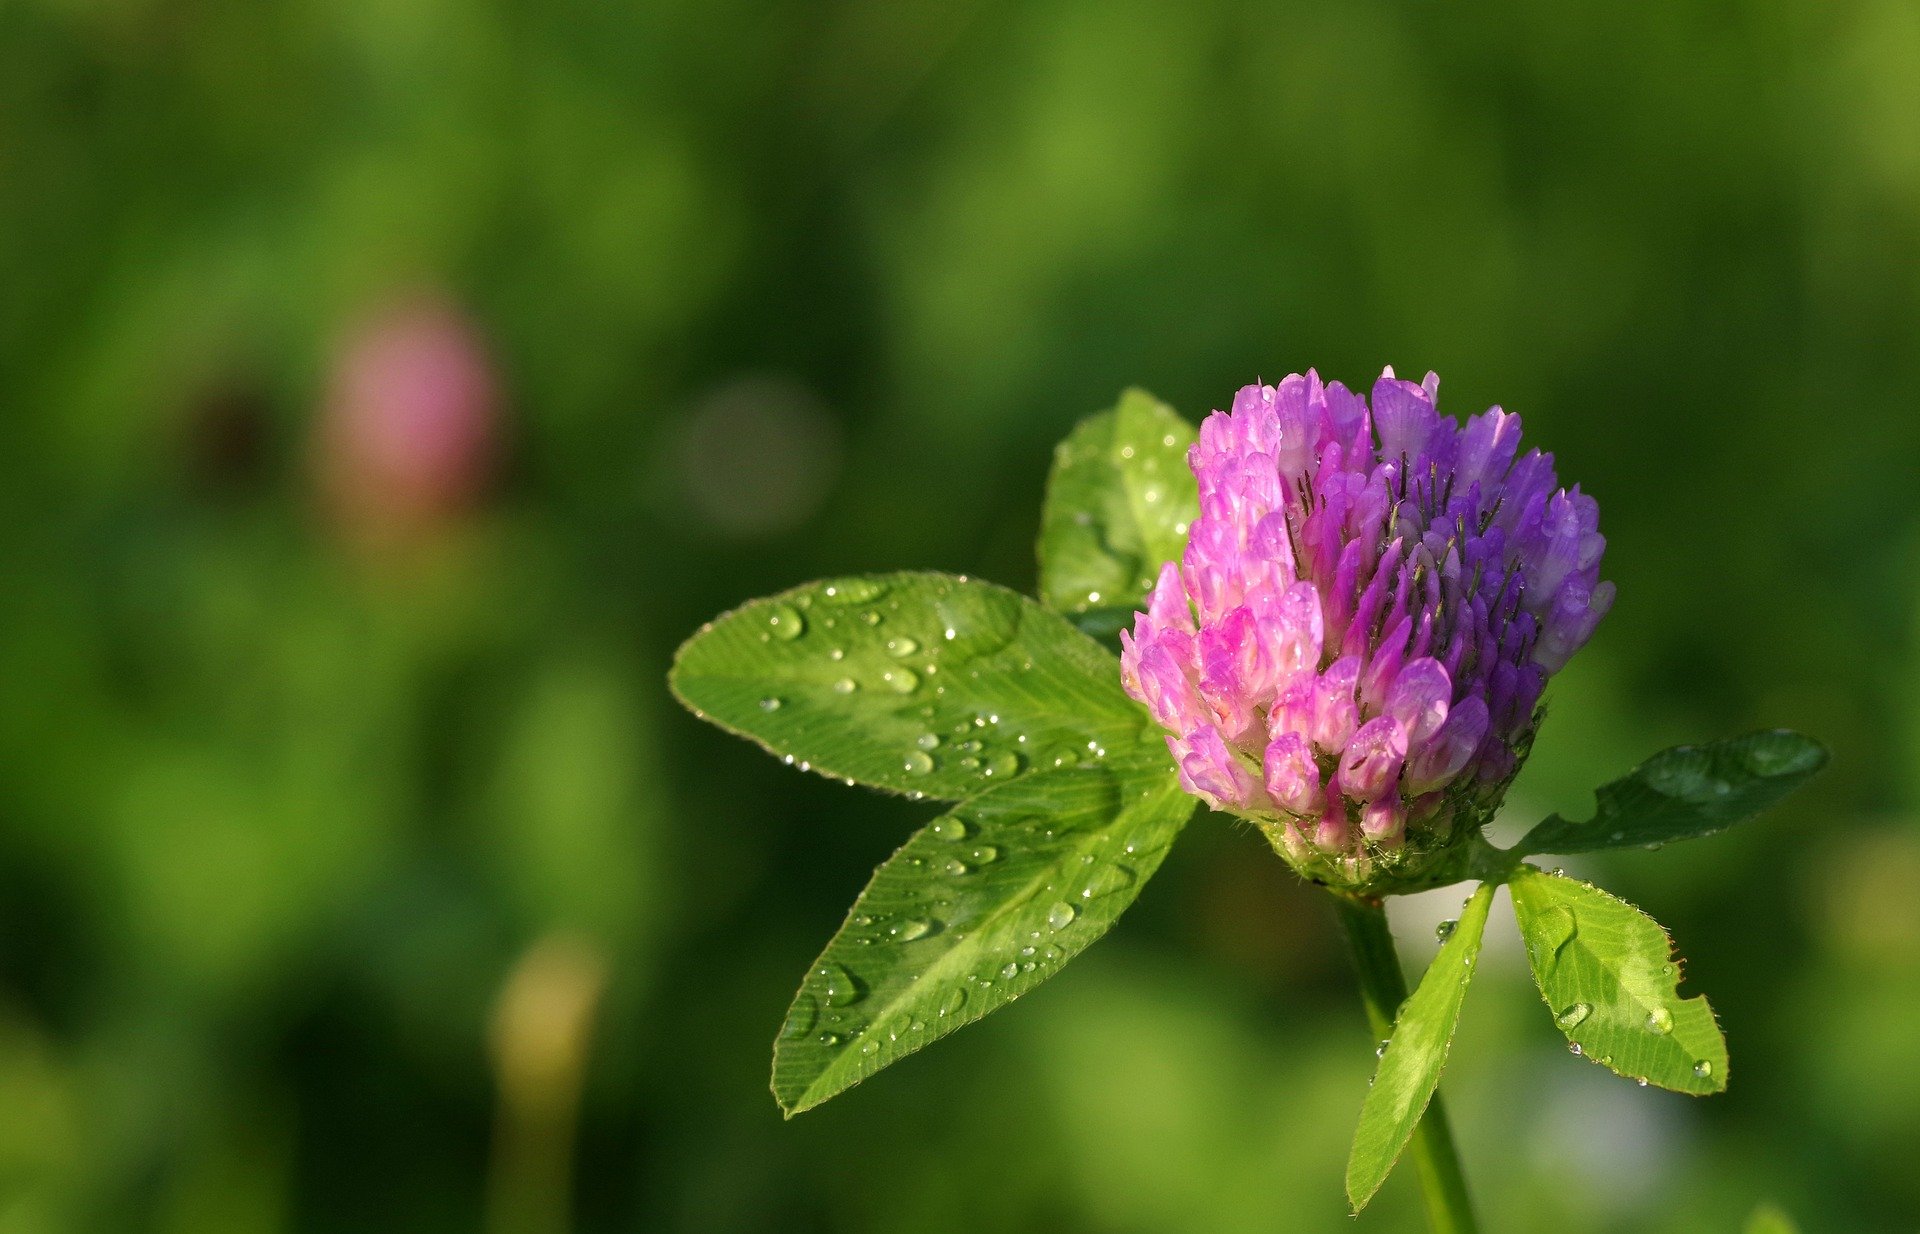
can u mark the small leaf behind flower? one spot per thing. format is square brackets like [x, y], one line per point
[1119, 502]
[923, 684]
[1607, 972]
[1409, 1070]
[1685, 792]
[980, 906]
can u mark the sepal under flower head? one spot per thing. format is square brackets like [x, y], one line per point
[1352, 650]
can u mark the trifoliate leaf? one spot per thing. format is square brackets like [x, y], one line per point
[1608, 974]
[1685, 792]
[980, 906]
[1409, 1069]
[1119, 502]
[924, 684]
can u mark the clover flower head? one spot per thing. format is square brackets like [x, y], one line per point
[1352, 650]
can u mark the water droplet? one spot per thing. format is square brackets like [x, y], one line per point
[1380, 1051]
[918, 763]
[1445, 929]
[1061, 915]
[1686, 773]
[927, 741]
[1106, 880]
[1640, 1080]
[1775, 754]
[1557, 929]
[837, 654]
[785, 622]
[986, 854]
[839, 986]
[951, 827]
[1573, 1016]
[1660, 1021]
[1005, 763]
[901, 680]
[913, 928]
[853, 591]
[829, 1038]
[770, 704]
[869, 1046]
[1059, 756]
[1703, 1069]
[956, 998]
[846, 685]
[871, 617]
[958, 868]
[1011, 970]
[801, 1019]
[900, 647]
[1574, 1048]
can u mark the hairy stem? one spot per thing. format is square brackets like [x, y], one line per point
[1383, 987]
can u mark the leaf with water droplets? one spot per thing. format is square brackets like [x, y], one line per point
[1119, 503]
[1409, 1069]
[1685, 792]
[1606, 970]
[976, 909]
[879, 703]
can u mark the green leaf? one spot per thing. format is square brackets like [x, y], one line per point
[1119, 503]
[1607, 972]
[1685, 792]
[924, 684]
[1409, 1070]
[980, 906]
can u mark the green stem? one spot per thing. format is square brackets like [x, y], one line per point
[1383, 987]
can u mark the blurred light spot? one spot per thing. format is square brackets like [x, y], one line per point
[409, 425]
[1869, 909]
[757, 456]
[1619, 1145]
[542, 1022]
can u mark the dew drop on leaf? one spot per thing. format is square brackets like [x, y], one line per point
[1061, 915]
[1106, 880]
[951, 827]
[800, 1020]
[986, 854]
[1005, 763]
[1781, 757]
[927, 741]
[901, 680]
[919, 763]
[770, 704]
[912, 928]
[1380, 1051]
[853, 591]
[1011, 970]
[901, 647]
[1574, 1048]
[839, 986]
[1445, 929]
[1660, 1021]
[846, 685]
[1703, 1069]
[958, 868]
[829, 1038]
[1573, 1016]
[785, 622]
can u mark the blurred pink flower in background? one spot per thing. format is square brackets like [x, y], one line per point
[410, 425]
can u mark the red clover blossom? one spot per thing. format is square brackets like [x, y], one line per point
[1352, 651]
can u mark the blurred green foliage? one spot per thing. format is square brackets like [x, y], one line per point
[331, 856]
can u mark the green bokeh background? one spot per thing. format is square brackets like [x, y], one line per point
[776, 290]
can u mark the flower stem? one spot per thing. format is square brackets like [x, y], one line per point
[1383, 987]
